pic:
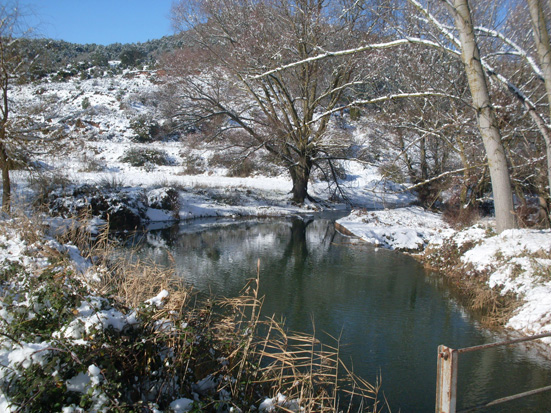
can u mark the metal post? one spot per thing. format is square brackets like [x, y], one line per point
[446, 380]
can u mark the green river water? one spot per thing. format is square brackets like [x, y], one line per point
[391, 314]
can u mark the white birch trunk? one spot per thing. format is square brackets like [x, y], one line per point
[491, 137]
[543, 47]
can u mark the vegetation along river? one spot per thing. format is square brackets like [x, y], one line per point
[390, 312]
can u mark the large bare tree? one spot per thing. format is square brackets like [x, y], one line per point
[286, 112]
[543, 49]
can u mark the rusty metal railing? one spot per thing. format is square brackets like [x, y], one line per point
[446, 380]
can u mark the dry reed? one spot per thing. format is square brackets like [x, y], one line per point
[309, 372]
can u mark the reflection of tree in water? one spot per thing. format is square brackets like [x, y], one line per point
[227, 253]
[308, 237]
[297, 248]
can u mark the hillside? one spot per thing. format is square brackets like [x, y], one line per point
[57, 58]
[113, 131]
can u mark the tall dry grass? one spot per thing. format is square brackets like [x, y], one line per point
[306, 370]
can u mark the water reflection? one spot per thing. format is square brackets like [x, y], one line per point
[390, 314]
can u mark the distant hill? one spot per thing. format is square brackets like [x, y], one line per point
[64, 59]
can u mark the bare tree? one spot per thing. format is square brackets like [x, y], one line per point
[21, 132]
[11, 66]
[286, 112]
[543, 48]
[491, 136]
[9, 16]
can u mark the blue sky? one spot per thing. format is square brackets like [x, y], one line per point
[99, 21]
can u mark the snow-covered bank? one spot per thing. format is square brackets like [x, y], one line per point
[405, 229]
[94, 335]
[517, 261]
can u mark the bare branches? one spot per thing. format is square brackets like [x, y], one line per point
[353, 51]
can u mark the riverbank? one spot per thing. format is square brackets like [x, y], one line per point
[509, 274]
[83, 331]
[38, 268]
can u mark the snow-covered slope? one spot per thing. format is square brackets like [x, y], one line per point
[99, 144]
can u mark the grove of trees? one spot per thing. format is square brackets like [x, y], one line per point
[460, 87]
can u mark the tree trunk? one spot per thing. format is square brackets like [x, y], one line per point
[491, 137]
[300, 174]
[543, 47]
[6, 184]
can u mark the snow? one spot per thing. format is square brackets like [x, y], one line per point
[272, 404]
[508, 244]
[408, 229]
[79, 383]
[157, 301]
[519, 261]
[181, 405]
[23, 356]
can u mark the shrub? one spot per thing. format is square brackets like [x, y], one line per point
[164, 198]
[146, 129]
[144, 156]
[92, 164]
[194, 165]
[111, 183]
[459, 217]
[224, 160]
[392, 172]
[44, 183]
[237, 166]
[242, 169]
[86, 103]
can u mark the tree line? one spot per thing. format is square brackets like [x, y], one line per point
[461, 85]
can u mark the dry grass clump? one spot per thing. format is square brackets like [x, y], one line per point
[458, 217]
[132, 281]
[138, 281]
[308, 372]
[494, 308]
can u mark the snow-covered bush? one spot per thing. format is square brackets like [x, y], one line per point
[194, 165]
[164, 198]
[86, 103]
[144, 156]
[236, 165]
[146, 129]
[45, 183]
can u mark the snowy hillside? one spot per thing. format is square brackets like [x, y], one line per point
[113, 131]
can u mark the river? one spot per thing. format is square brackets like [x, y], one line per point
[390, 313]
